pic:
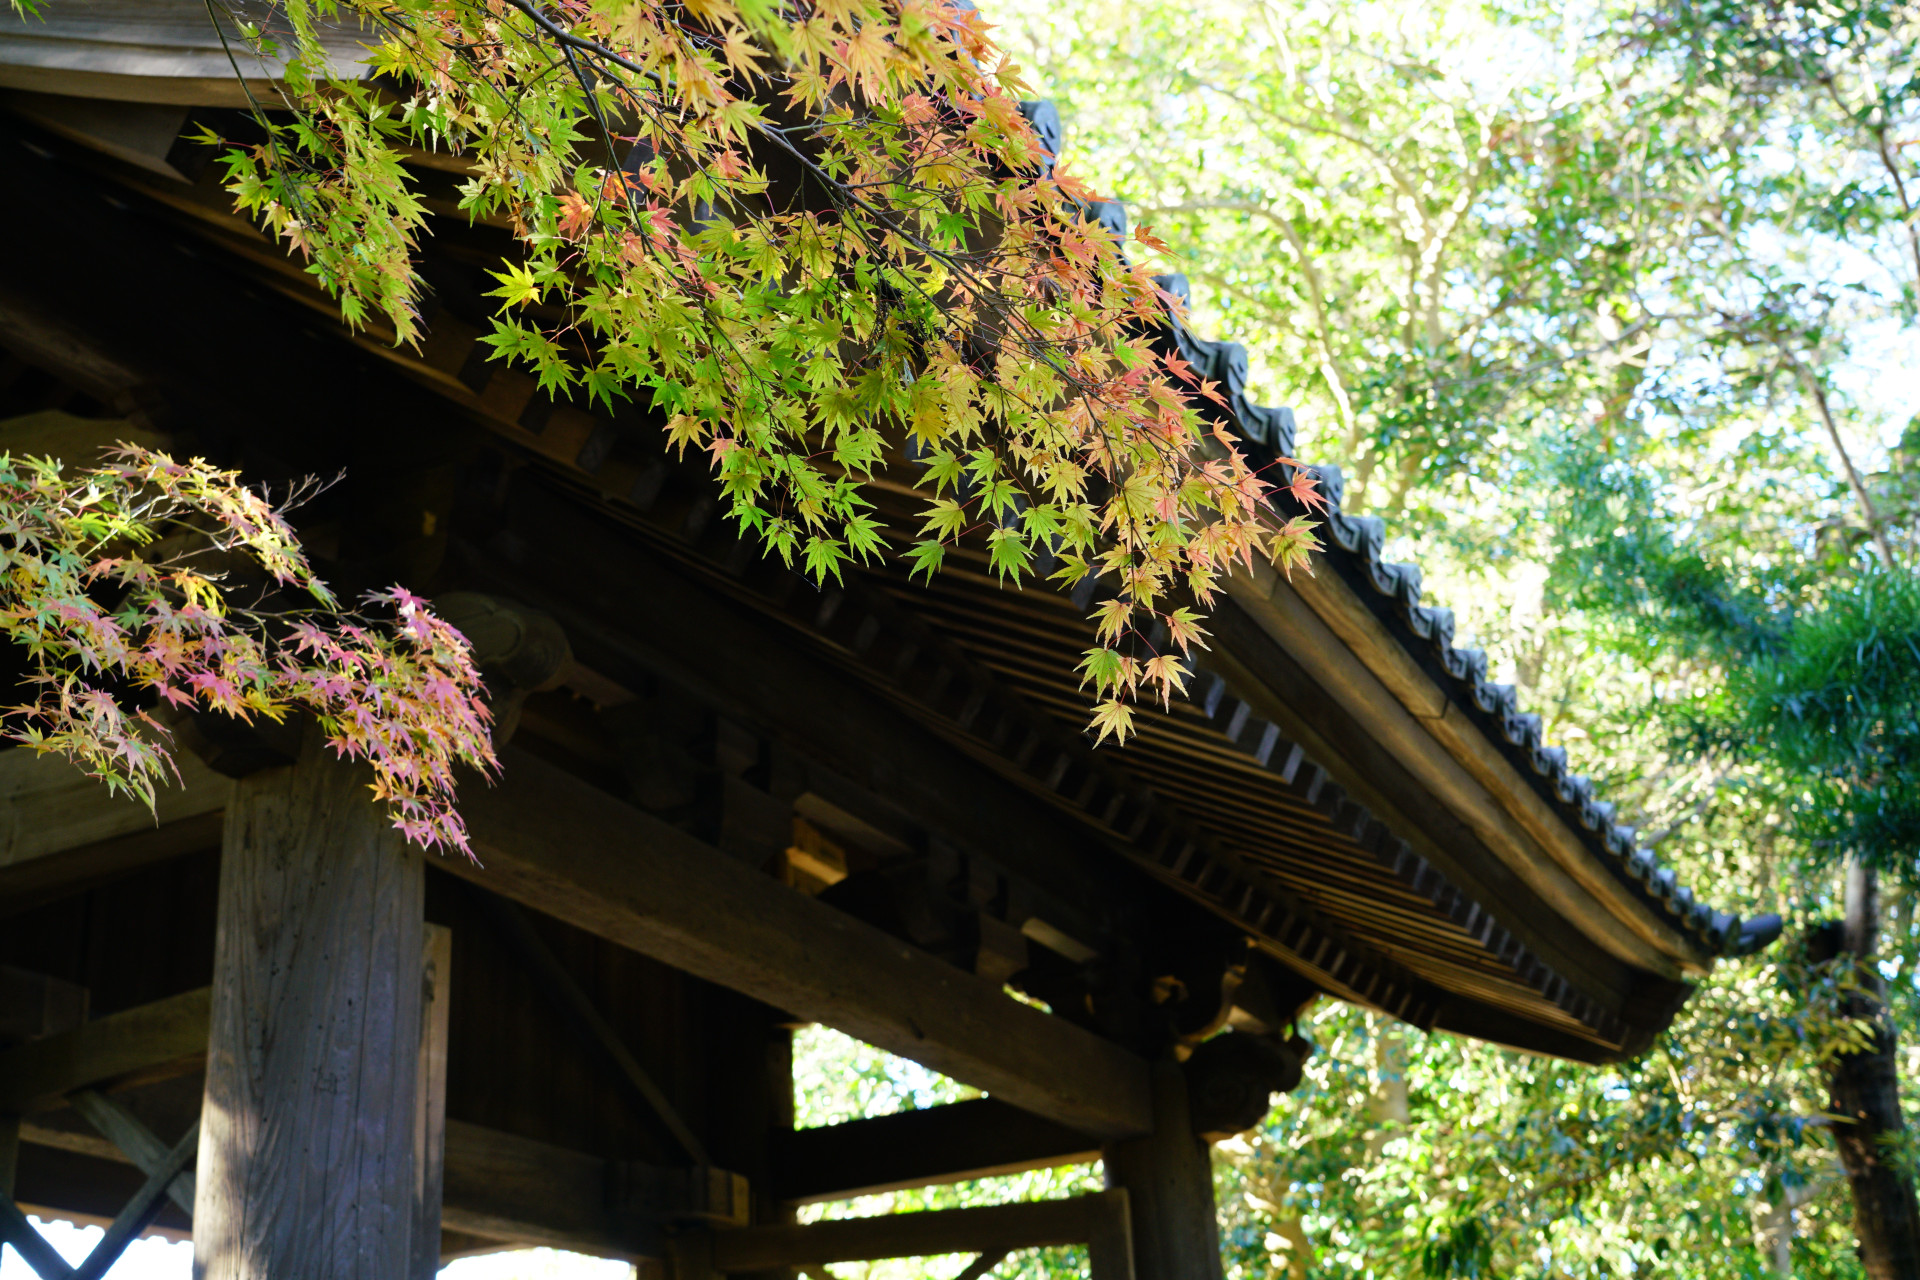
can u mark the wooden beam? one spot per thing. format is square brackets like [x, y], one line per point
[957, 1142]
[506, 1187]
[1328, 630]
[1098, 1221]
[164, 1038]
[60, 830]
[313, 1065]
[559, 845]
[517, 1192]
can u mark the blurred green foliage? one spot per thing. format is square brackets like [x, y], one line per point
[1610, 309]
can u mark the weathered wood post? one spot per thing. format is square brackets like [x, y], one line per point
[1169, 1182]
[312, 1140]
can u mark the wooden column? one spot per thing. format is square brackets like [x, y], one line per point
[1168, 1177]
[430, 1116]
[9, 1154]
[312, 1128]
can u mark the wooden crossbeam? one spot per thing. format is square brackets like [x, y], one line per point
[505, 1187]
[60, 831]
[153, 1041]
[555, 843]
[1099, 1221]
[502, 1187]
[952, 1143]
[559, 845]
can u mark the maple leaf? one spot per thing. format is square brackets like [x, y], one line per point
[1074, 188]
[1164, 672]
[1144, 234]
[1112, 718]
[576, 215]
[1184, 626]
[1303, 488]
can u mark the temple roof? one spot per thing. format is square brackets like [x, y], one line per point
[1345, 787]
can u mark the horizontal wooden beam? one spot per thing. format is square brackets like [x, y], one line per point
[559, 845]
[153, 1041]
[61, 831]
[963, 1140]
[1099, 1221]
[516, 1191]
[506, 1187]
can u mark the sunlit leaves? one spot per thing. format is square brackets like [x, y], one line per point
[938, 300]
[127, 587]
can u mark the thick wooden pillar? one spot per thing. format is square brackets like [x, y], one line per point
[1169, 1182]
[312, 1139]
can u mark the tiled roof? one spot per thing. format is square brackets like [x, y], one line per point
[1353, 546]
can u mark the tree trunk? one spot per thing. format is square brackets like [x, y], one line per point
[1865, 1091]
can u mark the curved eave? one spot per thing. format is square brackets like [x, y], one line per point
[1468, 735]
[156, 52]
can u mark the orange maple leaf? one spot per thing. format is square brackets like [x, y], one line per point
[1073, 187]
[1146, 237]
[576, 215]
[1303, 489]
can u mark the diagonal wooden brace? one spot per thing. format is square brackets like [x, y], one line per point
[122, 1128]
[142, 1209]
[139, 1214]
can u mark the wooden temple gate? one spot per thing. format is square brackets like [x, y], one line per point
[732, 804]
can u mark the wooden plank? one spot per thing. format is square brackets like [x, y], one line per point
[1035, 1224]
[47, 806]
[166, 1037]
[1176, 1233]
[307, 1150]
[957, 1142]
[62, 832]
[506, 1187]
[430, 1118]
[551, 841]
